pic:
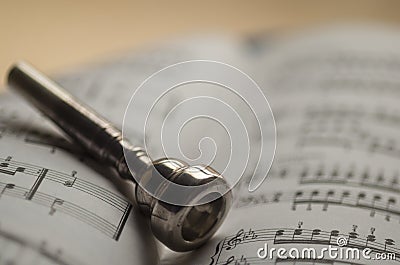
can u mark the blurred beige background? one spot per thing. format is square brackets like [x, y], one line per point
[62, 34]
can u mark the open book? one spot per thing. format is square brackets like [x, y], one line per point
[334, 181]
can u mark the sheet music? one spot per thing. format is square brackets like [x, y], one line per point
[335, 173]
[335, 98]
[56, 204]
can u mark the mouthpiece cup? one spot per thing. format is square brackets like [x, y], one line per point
[184, 228]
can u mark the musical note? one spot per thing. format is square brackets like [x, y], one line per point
[242, 261]
[250, 235]
[328, 194]
[334, 233]
[320, 172]
[388, 242]
[365, 177]
[374, 200]
[360, 197]
[8, 186]
[296, 232]
[283, 173]
[229, 260]
[335, 172]
[371, 237]
[296, 196]
[278, 233]
[395, 180]
[345, 194]
[277, 197]
[315, 232]
[313, 194]
[56, 201]
[232, 260]
[391, 201]
[380, 178]
[352, 235]
[70, 183]
[10, 172]
[304, 174]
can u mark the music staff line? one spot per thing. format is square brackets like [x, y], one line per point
[346, 113]
[56, 257]
[347, 86]
[368, 85]
[300, 236]
[371, 146]
[376, 204]
[12, 167]
[363, 183]
[243, 260]
[349, 175]
[361, 176]
[59, 205]
[331, 133]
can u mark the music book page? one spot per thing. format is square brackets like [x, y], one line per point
[335, 97]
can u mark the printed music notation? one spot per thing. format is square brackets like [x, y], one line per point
[333, 174]
[336, 174]
[242, 260]
[381, 181]
[25, 129]
[43, 138]
[338, 79]
[279, 236]
[375, 204]
[387, 147]
[344, 113]
[37, 253]
[351, 129]
[10, 167]
[52, 141]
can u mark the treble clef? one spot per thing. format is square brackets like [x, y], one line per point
[234, 241]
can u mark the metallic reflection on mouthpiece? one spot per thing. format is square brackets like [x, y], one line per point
[185, 227]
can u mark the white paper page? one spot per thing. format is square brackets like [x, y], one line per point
[335, 96]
